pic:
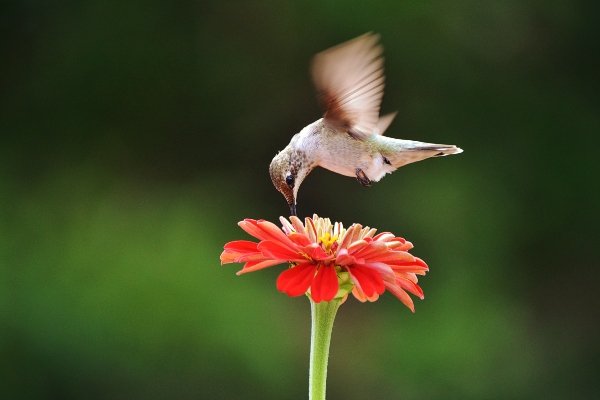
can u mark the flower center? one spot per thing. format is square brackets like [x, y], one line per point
[328, 242]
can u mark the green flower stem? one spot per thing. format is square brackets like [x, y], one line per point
[323, 314]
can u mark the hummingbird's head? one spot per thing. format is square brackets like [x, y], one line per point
[287, 172]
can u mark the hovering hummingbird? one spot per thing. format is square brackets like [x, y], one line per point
[349, 138]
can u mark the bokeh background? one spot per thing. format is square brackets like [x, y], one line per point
[134, 135]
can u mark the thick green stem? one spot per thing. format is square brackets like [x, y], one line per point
[323, 314]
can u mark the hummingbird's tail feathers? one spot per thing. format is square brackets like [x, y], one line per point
[416, 151]
[443, 149]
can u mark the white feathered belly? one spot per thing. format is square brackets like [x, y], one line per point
[373, 166]
[338, 152]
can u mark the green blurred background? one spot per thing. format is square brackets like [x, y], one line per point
[134, 135]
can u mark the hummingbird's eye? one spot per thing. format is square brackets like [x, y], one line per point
[289, 179]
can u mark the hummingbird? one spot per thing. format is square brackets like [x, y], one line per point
[348, 139]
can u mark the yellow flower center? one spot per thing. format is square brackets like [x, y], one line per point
[327, 242]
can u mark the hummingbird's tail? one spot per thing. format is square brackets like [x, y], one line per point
[412, 151]
[442, 149]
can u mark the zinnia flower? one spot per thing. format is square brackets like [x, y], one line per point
[328, 261]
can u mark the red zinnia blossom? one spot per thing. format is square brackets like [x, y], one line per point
[328, 261]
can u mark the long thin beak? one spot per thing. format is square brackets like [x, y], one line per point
[293, 208]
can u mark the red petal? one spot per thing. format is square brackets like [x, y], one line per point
[371, 251]
[384, 270]
[407, 275]
[274, 233]
[373, 298]
[411, 287]
[244, 258]
[415, 269]
[369, 280]
[357, 233]
[249, 225]
[296, 281]
[348, 237]
[384, 237]
[297, 224]
[359, 294]
[234, 250]
[344, 259]
[227, 258]
[362, 280]
[278, 251]
[421, 263]
[300, 239]
[325, 285]
[401, 295]
[315, 252]
[265, 230]
[407, 245]
[255, 266]
[399, 244]
[355, 247]
[394, 257]
[241, 246]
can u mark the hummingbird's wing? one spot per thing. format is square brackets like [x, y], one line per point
[350, 81]
[384, 122]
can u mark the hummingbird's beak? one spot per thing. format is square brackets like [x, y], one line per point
[293, 208]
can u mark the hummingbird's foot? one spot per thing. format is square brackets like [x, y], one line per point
[362, 178]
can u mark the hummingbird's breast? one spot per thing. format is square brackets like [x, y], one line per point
[341, 153]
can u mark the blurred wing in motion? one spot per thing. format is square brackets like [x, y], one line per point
[350, 81]
[384, 122]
